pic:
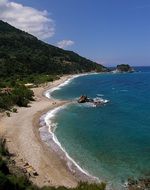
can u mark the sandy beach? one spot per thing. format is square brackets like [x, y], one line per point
[21, 131]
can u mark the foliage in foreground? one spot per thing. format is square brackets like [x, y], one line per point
[10, 181]
[18, 95]
[21, 95]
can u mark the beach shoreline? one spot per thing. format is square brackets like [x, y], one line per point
[21, 132]
[47, 134]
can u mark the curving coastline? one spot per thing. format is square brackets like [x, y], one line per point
[48, 92]
[47, 135]
[21, 132]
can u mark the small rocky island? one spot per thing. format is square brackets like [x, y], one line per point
[95, 101]
[123, 68]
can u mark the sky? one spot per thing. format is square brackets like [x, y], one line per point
[109, 32]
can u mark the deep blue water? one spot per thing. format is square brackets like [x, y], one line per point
[112, 141]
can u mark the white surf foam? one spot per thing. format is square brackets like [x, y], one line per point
[100, 95]
[101, 100]
[124, 90]
[48, 136]
[48, 92]
[87, 105]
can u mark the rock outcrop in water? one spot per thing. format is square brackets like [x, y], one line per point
[95, 101]
[84, 99]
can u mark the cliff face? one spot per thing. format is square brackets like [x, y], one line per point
[23, 54]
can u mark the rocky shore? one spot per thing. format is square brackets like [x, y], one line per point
[140, 184]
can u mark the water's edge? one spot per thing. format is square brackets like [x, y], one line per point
[47, 135]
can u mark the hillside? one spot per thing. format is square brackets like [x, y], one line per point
[22, 54]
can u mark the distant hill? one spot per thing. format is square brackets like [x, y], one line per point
[23, 54]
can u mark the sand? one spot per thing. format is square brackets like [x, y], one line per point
[21, 131]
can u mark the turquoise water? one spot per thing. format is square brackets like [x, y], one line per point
[112, 141]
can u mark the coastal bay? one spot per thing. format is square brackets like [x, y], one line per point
[21, 131]
[59, 149]
[109, 141]
[74, 95]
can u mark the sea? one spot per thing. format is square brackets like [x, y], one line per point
[111, 142]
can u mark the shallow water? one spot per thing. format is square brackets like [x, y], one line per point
[112, 141]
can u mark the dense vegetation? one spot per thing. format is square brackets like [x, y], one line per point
[17, 181]
[22, 54]
[24, 59]
[16, 94]
[124, 68]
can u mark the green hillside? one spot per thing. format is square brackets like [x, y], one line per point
[22, 54]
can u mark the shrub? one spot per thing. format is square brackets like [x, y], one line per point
[14, 110]
[20, 95]
[3, 166]
[3, 149]
[8, 114]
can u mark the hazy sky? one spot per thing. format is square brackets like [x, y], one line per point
[107, 31]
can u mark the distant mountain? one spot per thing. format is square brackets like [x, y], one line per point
[23, 54]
